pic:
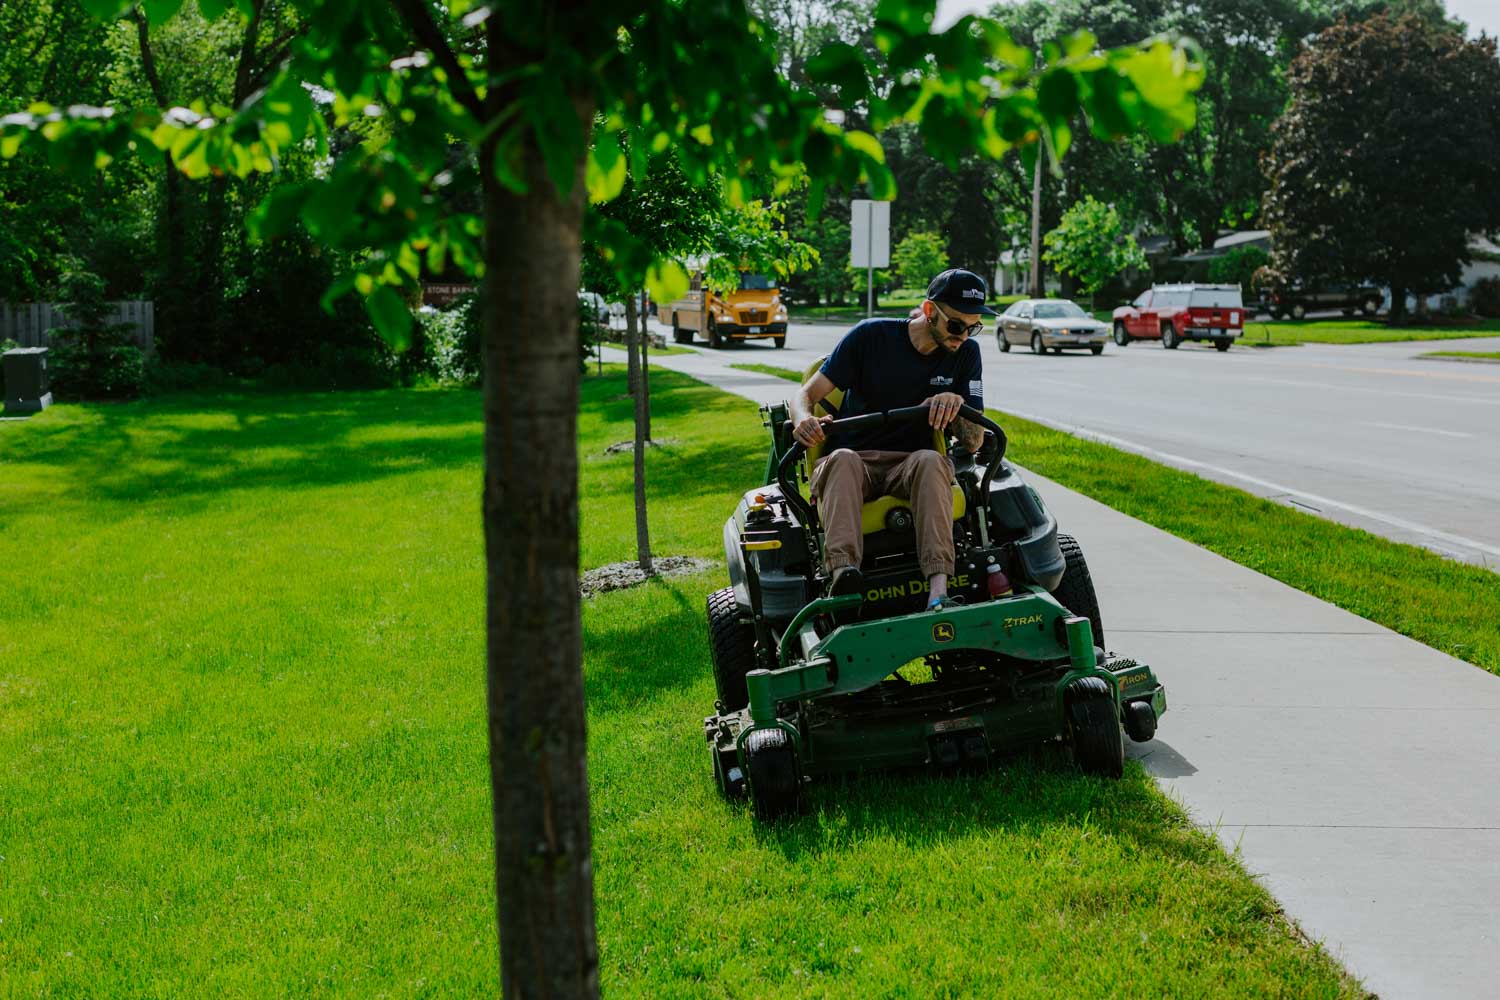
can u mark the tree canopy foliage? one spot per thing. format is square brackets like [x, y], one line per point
[1091, 245]
[1388, 157]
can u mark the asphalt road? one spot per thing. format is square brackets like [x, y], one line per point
[1368, 435]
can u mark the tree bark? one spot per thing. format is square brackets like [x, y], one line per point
[1397, 314]
[1036, 291]
[173, 225]
[634, 337]
[538, 763]
[645, 373]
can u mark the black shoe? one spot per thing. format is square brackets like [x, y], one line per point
[846, 580]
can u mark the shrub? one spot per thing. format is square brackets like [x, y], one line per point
[451, 339]
[1238, 267]
[92, 358]
[5, 345]
[1484, 297]
[181, 376]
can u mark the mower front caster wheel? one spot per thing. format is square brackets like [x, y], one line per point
[774, 777]
[1140, 721]
[1094, 728]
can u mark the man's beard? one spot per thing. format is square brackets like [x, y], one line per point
[939, 338]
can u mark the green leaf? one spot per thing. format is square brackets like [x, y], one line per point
[278, 213]
[211, 9]
[160, 11]
[1156, 75]
[605, 171]
[867, 144]
[1057, 95]
[912, 17]
[10, 144]
[666, 280]
[106, 10]
[392, 319]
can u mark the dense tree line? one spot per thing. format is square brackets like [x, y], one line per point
[1189, 191]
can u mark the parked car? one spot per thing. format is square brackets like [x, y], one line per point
[1174, 313]
[1056, 323]
[592, 305]
[1297, 302]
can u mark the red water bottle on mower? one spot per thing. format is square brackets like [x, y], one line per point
[998, 585]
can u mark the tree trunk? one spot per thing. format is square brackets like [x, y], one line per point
[634, 336]
[645, 373]
[171, 314]
[534, 668]
[1036, 290]
[1398, 305]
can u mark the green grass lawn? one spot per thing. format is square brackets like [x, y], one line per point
[778, 372]
[1483, 356]
[669, 349]
[241, 720]
[1356, 331]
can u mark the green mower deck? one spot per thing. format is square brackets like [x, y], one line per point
[837, 703]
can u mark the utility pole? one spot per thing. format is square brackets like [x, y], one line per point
[1036, 291]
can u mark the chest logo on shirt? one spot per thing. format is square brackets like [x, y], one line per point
[940, 380]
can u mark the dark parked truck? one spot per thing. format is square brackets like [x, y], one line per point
[1174, 313]
[1299, 300]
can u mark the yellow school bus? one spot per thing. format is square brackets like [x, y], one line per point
[753, 312]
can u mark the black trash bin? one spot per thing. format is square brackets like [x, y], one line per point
[26, 388]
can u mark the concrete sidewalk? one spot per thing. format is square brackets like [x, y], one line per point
[1354, 770]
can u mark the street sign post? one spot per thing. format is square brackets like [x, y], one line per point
[869, 242]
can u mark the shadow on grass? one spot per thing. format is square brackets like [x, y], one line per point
[634, 658]
[190, 447]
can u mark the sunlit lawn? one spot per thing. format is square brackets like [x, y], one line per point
[1357, 331]
[241, 696]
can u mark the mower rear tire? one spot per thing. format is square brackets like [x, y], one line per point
[1076, 590]
[1094, 727]
[774, 777]
[731, 647]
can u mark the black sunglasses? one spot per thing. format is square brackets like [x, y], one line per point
[956, 327]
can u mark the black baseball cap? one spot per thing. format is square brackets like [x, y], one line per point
[963, 290]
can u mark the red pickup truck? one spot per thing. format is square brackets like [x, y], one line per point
[1174, 313]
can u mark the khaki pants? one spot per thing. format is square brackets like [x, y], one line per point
[845, 480]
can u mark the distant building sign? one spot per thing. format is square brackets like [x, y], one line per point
[434, 294]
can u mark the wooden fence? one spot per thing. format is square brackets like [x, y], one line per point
[29, 322]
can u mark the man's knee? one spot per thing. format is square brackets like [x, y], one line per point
[840, 457]
[930, 464]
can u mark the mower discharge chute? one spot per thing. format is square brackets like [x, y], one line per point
[810, 685]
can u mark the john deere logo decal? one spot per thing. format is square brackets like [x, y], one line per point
[942, 632]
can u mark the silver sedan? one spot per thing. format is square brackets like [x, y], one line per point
[1056, 323]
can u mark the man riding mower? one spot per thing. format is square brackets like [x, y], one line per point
[813, 683]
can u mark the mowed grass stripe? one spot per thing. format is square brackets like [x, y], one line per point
[241, 714]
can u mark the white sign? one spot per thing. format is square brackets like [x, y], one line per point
[869, 233]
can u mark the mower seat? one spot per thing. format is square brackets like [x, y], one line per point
[873, 514]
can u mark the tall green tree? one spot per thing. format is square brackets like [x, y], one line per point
[1092, 246]
[1388, 157]
[674, 76]
[918, 259]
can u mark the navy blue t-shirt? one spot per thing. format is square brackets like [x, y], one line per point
[879, 369]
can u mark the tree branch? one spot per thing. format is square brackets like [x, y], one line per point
[242, 69]
[418, 17]
[148, 60]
